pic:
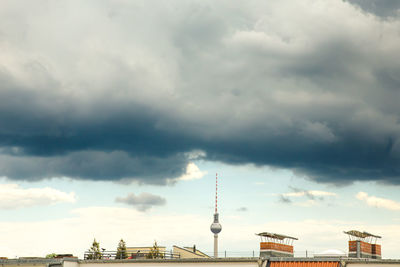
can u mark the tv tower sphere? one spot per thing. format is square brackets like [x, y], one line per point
[216, 226]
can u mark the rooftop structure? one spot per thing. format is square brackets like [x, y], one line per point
[363, 245]
[357, 235]
[276, 245]
[189, 252]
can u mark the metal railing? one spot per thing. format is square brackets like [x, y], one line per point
[147, 254]
[303, 253]
[256, 253]
[142, 254]
[235, 253]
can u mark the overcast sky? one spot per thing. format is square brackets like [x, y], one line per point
[121, 106]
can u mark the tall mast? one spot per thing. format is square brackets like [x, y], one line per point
[216, 226]
[216, 193]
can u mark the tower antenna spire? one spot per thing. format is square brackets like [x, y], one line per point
[216, 193]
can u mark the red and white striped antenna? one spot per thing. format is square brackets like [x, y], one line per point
[216, 226]
[216, 193]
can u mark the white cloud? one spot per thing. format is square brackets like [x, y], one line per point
[192, 172]
[12, 196]
[313, 197]
[315, 193]
[75, 233]
[109, 224]
[378, 202]
[196, 154]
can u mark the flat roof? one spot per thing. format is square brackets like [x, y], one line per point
[343, 260]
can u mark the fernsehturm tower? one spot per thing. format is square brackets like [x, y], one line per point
[216, 226]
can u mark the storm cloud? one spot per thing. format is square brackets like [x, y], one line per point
[143, 201]
[382, 8]
[131, 91]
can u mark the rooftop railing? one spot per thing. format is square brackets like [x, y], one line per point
[142, 254]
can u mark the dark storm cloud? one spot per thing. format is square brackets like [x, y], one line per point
[382, 8]
[133, 91]
[94, 165]
[143, 201]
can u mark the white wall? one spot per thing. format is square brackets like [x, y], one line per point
[373, 264]
[170, 264]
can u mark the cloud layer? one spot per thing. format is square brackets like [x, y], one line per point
[13, 197]
[378, 202]
[312, 196]
[141, 229]
[129, 91]
[382, 8]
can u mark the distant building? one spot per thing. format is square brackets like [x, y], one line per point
[142, 252]
[189, 253]
[331, 253]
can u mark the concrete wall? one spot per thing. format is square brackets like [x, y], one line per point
[71, 263]
[25, 265]
[31, 263]
[167, 263]
[372, 264]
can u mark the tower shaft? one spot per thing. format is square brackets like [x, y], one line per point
[215, 246]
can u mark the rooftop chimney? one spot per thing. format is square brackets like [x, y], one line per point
[276, 245]
[363, 245]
